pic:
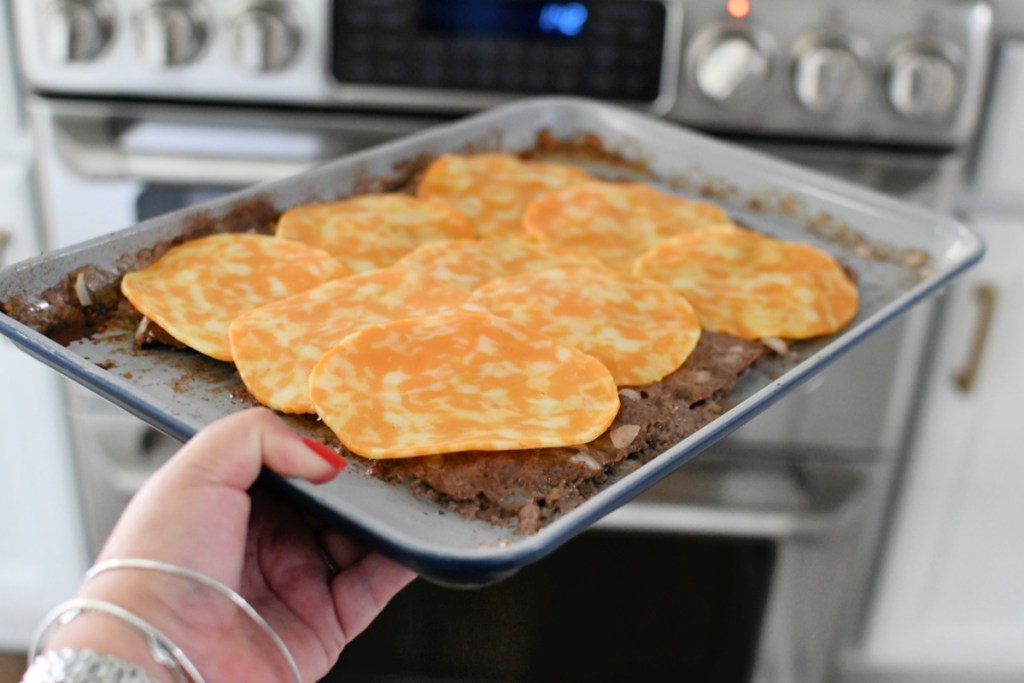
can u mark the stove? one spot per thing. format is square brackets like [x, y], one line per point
[855, 70]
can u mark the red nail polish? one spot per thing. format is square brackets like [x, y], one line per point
[326, 453]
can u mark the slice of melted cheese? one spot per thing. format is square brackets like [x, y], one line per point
[615, 222]
[467, 264]
[754, 286]
[196, 289]
[276, 346]
[459, 382]
[373, 230]
[640, 329]
[493, 189]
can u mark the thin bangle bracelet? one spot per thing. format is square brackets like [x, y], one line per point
[242, 603]
[164, 650]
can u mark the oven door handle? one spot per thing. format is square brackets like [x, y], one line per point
[807, 519]
[92, 151]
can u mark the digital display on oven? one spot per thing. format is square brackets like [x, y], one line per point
[607, 49]
[512, 18]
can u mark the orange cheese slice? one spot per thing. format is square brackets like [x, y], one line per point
[640, 329]
[493, 189]
[754, 286]
[276, 346]
[373, 230]
[196, 289]
[470, 263]
[616, 222]
[459, 382]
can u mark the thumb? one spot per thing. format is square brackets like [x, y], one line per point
[204, 487]
[230, 453]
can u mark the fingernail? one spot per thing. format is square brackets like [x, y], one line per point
[338, 462]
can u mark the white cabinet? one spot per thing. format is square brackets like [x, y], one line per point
[951, 597]
[42, 551]
[950, 603]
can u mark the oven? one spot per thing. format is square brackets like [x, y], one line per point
[751, 563]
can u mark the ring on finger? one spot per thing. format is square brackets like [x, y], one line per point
[332, 567]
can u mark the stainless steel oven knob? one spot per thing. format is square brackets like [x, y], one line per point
[729, 62]
[828, 74]
[264, 36]
[923, 82]
[169, 33]
[75, 30]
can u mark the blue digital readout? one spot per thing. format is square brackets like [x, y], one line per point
[522, 18]
[565, 19]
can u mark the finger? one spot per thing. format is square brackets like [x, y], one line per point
[206, 482]
[231, 452]
[362, 591]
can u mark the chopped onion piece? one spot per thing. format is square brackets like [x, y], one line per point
[631, 394]
[777, 345]
[585, 459]
[141, 331]
[624, 435]
[82, 291]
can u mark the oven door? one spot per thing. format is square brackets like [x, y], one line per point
[106, 166]
[723, 572]
[760, 546]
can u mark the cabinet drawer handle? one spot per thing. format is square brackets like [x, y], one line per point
[986, 295]
[5, 238]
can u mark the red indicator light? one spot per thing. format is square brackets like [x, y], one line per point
[737, 9]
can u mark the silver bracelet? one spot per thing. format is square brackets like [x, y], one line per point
[82, 666]
[242, 603]
[163, 649]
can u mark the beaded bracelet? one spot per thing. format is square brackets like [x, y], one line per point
[82, 666]
[242, 603]
[164, 650]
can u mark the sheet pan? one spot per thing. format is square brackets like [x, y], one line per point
[901, 254]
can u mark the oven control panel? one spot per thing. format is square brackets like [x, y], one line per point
[612, 49]
[857, 70]
[909, 72]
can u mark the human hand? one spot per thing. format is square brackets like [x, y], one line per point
[196, 512]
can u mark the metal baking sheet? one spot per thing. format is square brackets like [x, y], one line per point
[901, 254]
